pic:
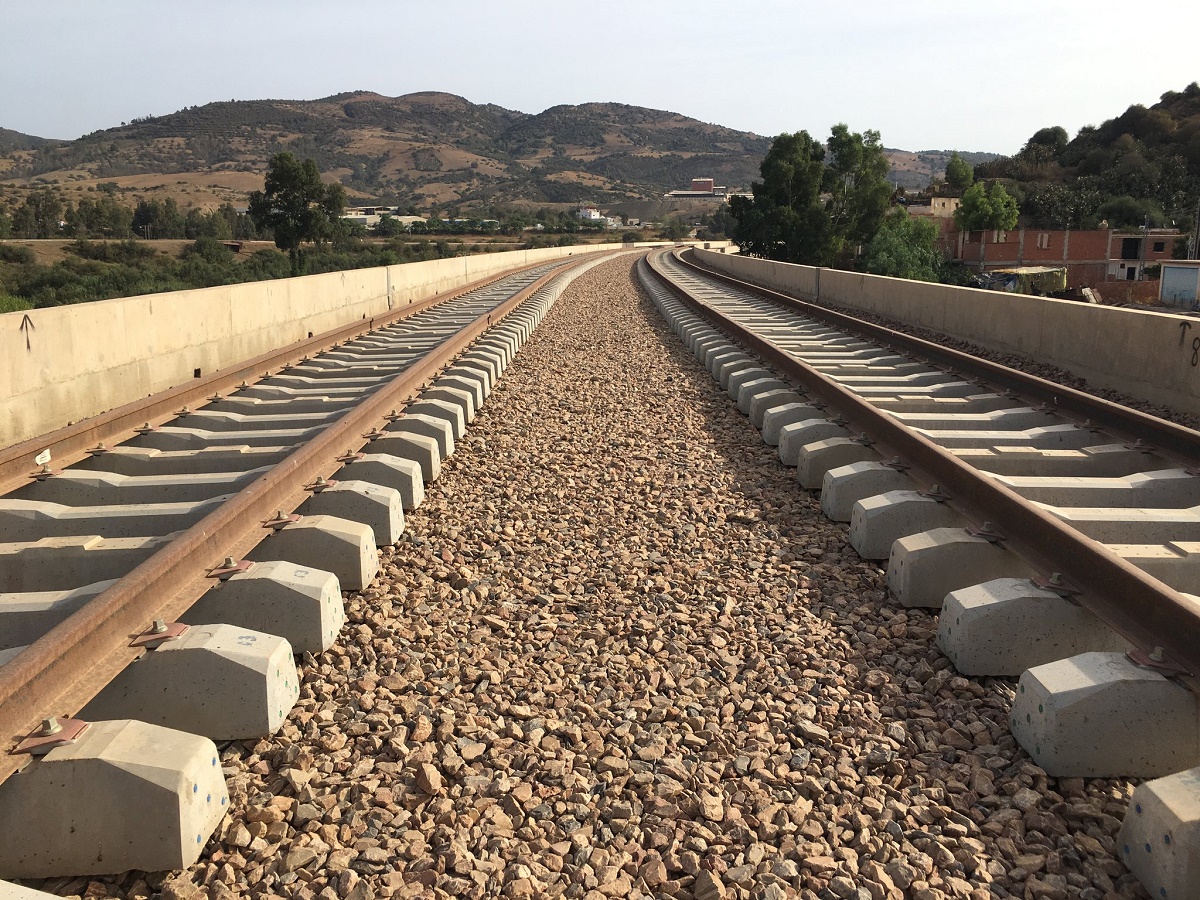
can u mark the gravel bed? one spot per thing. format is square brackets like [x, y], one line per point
[619, 653]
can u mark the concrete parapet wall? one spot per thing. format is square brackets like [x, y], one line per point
[66, 363]
[1152, 356]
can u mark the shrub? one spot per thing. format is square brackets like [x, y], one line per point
[16, 253]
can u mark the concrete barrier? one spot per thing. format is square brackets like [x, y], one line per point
[1148, 355]
[63, 364]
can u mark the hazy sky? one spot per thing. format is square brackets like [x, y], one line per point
[928, 74]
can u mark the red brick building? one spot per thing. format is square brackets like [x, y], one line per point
[1090, 257]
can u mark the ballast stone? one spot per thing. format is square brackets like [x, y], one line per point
[125, 795]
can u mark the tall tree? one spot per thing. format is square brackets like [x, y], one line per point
[785, 220]
[986, 209]
[788, 221]
[296, 206]
[959, 173]
[39, 216]
[856, 179]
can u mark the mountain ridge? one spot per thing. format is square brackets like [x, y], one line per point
[425, 149]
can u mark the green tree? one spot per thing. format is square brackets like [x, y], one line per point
[856, 179]
[675, 229]
[5, 225]
[39, 216]
[388, 226]
[959, 173]
[785, 220]
[904, 247]
[158, 220]
[984, 209]
[296, 206]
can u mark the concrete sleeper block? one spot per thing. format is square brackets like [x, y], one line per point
[441, 430]
[26, 617]
[417, 448]
[842, 487]
[124, 795]
[302, 606]
[464, 400]
[1098, 715]
[750, 390]
[924, 567]
[1159, 840]
[345, 548]
[403, 475]
[377, 507]
[819, 457]
[878, 522]
[223, 682]
[1007, 625]
[764, 402]
[794, 436]
[777, 417]
[745, 376]
[438, 408]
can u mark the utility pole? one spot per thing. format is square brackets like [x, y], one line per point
[1194, 237]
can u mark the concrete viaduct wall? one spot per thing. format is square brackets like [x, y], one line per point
[66, 363]
[1153, 356]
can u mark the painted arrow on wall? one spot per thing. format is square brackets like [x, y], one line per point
[27, 326]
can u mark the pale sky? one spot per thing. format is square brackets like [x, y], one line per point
[927, 74]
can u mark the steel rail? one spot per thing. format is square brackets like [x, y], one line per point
[1176, 440]
[70, 444]
[60, 672]
[1137, 606]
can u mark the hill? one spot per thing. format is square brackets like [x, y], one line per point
[422, 149]
[1143, 165]
[425, 149]
[914, 169]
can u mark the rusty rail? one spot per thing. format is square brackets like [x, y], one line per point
[1145, 611]
[71, 663]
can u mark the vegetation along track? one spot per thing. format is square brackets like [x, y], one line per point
[1056, 532]
[133, 536]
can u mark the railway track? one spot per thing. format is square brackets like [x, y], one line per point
[1057, 533]
[254, 508]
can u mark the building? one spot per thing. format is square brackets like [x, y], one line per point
[701, 189]
[1091, 258]
[1179, 286]
[589, 214]
[937, 207]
